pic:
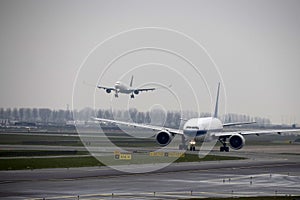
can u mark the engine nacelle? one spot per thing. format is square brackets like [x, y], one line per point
[136, 92]
[236, 141]
[108, 90]
[163, 138]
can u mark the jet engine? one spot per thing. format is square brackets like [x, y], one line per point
[108, 90]
[163, 138]
[136, 92]
[236, 141]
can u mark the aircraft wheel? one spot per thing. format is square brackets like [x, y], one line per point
[132, 96]
[226, 149]
[222, 149]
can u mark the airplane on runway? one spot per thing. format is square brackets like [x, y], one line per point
[123, 88]
[198, 128]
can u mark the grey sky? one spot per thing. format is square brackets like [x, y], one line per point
[255, 44]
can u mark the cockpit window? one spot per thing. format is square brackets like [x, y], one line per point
[192, 127]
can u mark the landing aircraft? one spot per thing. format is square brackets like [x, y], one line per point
[123, 88]
[198, 128]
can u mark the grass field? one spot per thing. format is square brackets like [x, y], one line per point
[89, 161]
[39, 163]
[57, 140]
[29, 153]
[39, 140]
[73, 158]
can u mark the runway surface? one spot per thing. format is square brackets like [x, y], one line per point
[263, 174]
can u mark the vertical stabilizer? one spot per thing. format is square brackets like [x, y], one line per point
[131, 81]
[217, 102]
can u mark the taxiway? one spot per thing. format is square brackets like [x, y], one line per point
[263, 174]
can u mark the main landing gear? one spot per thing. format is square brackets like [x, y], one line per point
[224, 147]
[183, 146]
[132, 96]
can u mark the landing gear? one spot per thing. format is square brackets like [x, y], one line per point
[192, 145]
[116, 95]
[132, 96]
[224, 147]
[192, 148]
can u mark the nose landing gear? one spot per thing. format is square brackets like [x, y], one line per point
[192, 145]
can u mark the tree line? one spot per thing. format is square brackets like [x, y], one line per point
[170, 118]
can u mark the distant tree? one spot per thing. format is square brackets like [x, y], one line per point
[86, 114]
[169, 119]
[126, 115]
[21, 114]
[147, 119]
[35, 114]
[68, 115]
[53, 116]
[27, 114]
[75, 115]
[140, 117]
[107, 114]
[177, 119]
[133, 114]
[8, 114]
[45, 114]
[1, 113]
[205, 114]
[61, 116]
[100, 113]
[15, 114]
[158, 117]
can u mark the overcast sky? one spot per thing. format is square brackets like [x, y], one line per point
[254, 44]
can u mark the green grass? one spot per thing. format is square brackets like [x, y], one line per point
[57, 140]
[252, 198]
[20, 153]
[89, 161]
[39, 163]
[69, 161]
[15, 139]
[296, 154]
[195, 158]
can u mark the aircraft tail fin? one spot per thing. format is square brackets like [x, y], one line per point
[217, 102]
[131, 81]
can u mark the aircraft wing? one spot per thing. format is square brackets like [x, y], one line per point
[144, 89]
[106, 88]
[256, 132]
[237, 123]
[136, 125]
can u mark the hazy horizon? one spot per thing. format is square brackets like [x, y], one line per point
[254, 45]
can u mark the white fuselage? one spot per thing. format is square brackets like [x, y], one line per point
[122, 88]
[197, 127]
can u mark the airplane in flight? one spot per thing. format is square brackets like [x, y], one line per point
[198, 128]
[123, 88]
